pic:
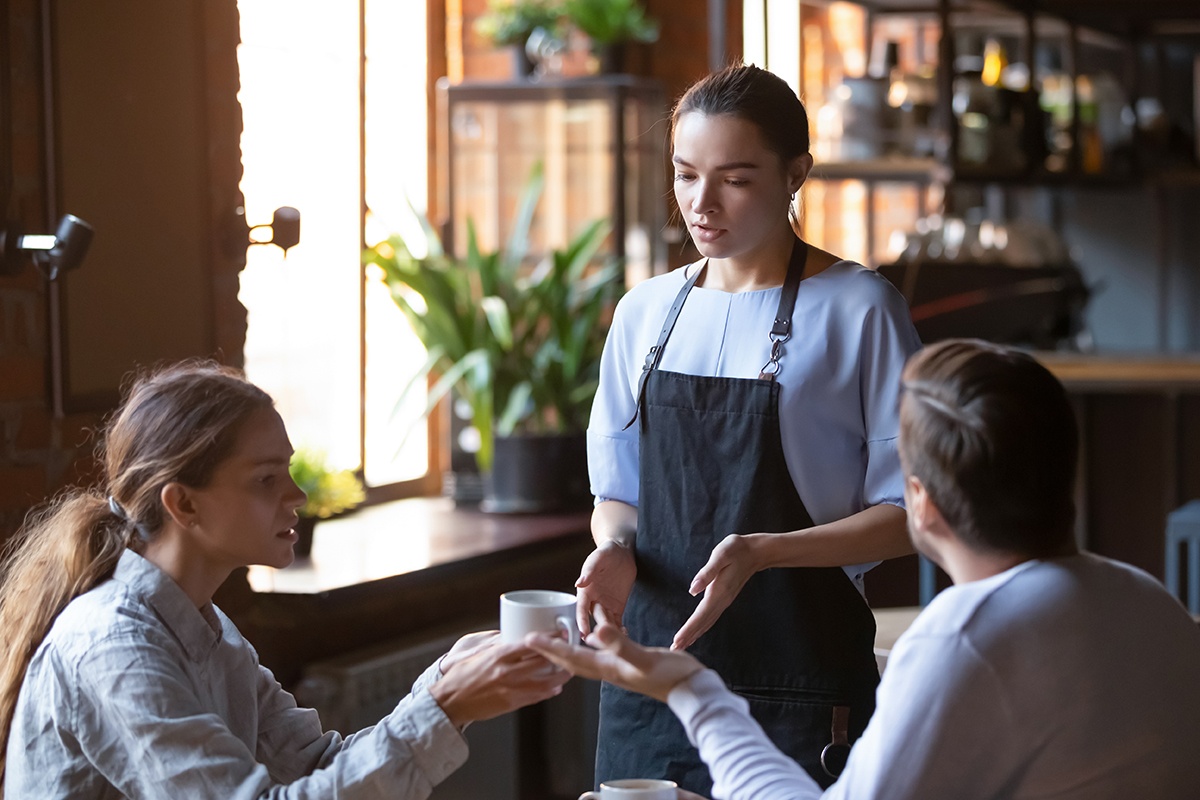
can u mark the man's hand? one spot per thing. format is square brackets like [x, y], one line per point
[604, 584]
[652, 671]
[731, 564]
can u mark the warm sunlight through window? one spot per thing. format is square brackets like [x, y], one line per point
[299, 66]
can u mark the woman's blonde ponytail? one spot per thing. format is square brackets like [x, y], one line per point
[62, 551]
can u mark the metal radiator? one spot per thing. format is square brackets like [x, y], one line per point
[355, 691]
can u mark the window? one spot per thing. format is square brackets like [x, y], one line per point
[327, 343]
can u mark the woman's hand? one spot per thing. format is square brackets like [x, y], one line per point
[652, 671]
[488, 679]
[731, 564]
[468, 646]
[604, 584]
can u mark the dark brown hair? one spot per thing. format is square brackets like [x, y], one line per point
[176, 424]
[992, 436]
[757, 96]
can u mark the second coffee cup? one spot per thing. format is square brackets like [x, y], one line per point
[537, 611]
[634, 789]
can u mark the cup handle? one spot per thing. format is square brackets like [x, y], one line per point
[590, 796]
[567, 626]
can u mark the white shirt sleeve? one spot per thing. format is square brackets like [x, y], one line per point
[943, 728]
[745, 765]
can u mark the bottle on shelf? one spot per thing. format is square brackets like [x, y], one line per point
[1056, 94]
[992, 117]
[912, 97]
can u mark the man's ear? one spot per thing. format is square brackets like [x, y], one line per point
[923, 513]
[179, 504]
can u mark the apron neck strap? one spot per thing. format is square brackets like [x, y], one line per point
[655, 354]
[791, 286]
[781, 329]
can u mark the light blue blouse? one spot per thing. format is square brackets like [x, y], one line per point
[839, 377]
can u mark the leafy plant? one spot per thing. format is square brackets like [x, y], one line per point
[510, 23]
[521, 346]
[611, 21]
[329, 491]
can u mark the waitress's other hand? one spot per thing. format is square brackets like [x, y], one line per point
[617, 659]
[731, 564]
[604, 584]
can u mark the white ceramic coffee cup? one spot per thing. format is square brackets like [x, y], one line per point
[634, 789]
[537, 611]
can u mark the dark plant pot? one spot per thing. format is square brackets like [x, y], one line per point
[538, 473]
[463, 486]
[304, 530]
[611, 58]
[523, 65]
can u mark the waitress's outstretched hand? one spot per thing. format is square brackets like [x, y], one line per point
[617, 659]
[731, 564]
[604, 584]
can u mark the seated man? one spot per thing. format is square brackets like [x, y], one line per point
[1043, 672]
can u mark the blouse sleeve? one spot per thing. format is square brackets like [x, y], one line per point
[889, 338]
[612, 448]
[144, 728]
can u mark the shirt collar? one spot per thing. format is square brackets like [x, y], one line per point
[198, 630]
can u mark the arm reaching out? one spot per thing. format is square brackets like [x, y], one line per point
[745, 764]
[617, 659]
[493, 679]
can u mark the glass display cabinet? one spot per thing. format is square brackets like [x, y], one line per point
[601, 142]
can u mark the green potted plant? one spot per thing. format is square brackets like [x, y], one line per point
[330, 492]
[610, 25]
[520, 344]
[508, 23]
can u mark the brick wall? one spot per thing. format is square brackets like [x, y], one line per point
[32, 458]
[40, 451]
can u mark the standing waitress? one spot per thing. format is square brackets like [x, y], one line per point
[742, 447]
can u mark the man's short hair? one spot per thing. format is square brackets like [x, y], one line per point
[992, 436]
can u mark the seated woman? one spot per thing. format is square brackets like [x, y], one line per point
[120, 678]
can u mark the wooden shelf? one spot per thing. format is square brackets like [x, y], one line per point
[928, 170]
[1124, 373]
[883, 170]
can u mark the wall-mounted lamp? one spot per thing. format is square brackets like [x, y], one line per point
[284, 227]
[51, 253]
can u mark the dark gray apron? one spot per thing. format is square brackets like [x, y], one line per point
[797, 643]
